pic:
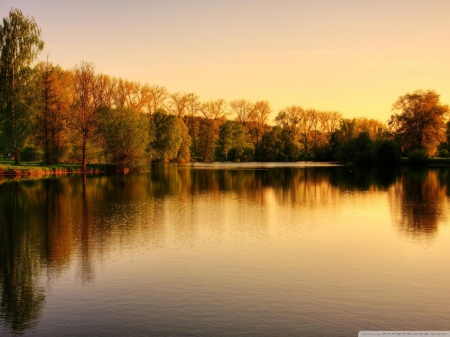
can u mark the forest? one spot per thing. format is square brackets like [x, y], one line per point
[78, 115]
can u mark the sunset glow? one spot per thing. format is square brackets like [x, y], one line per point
[348, 56]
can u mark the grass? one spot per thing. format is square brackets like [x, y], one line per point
[7, 167]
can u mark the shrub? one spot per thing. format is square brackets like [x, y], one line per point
[418, 157]
[357, 150]
[443, 153]
[386, 153]
[30, 153]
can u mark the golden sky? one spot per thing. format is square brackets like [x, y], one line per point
[352, 56]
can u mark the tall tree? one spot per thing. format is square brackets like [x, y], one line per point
[52, 112]
[20, 43]
[158, 96]
[214, 112]
[192, 121]
[258, 120]
[179, 106]
[420, 122]
[86, 111]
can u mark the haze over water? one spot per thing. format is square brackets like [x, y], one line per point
[202, 250]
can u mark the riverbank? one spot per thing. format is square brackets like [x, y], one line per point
[27, 169]
[35, 169]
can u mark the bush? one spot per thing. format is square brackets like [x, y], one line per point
[243, 154]
[443, 153]
[386, 153]
[418, 157]
[357, 150]
[30, 153]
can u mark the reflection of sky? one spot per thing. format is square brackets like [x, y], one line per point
[352, 56]
[305, 256]
[254, 264]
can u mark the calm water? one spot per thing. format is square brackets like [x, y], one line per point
[226, 250]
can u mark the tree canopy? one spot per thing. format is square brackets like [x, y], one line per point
[20, 44]
[420, 122]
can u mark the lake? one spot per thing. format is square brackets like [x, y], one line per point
[226, 250]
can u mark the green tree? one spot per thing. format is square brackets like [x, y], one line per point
[277, 145]
[165, 137]
[232, 136]
[420, 123]
[125, 136]
[20, 44]
[386, 152]
[357, 150]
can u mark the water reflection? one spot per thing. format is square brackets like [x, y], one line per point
[418, 202]
[22, 298]
[46, 225]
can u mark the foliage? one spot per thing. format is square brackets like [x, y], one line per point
[232, 137]
[125, 136]
[420, 123]
[165, 138]
[244, 154]
[184, 153]
[214, 113]
[87, 107]
[53, 105]
[20, 44]
[277, 145]
[30, 153]
[418, 157]
[386, 152]
[357, 150]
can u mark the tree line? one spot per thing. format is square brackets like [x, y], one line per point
[79, 115]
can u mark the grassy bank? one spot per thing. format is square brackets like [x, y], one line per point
[7, 167]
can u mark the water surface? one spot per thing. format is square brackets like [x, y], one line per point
[226, 250]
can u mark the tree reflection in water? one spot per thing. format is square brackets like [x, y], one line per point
[49, 224]
[420, 198]
[22, 298]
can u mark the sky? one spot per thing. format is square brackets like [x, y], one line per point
[352, 56]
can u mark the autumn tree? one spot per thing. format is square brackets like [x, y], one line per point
[20, 44]
[157, 98]
[179, 106]
[52, 111]
[292, 120]
[87, 106]
[192, 121]
[242, 109]
[258, 119]
[420, 122]
[213, 113]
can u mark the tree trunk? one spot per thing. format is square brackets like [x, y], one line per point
[83, 161]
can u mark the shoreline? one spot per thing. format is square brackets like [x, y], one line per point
[38, 170]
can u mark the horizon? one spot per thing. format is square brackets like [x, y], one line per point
[354, 58]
